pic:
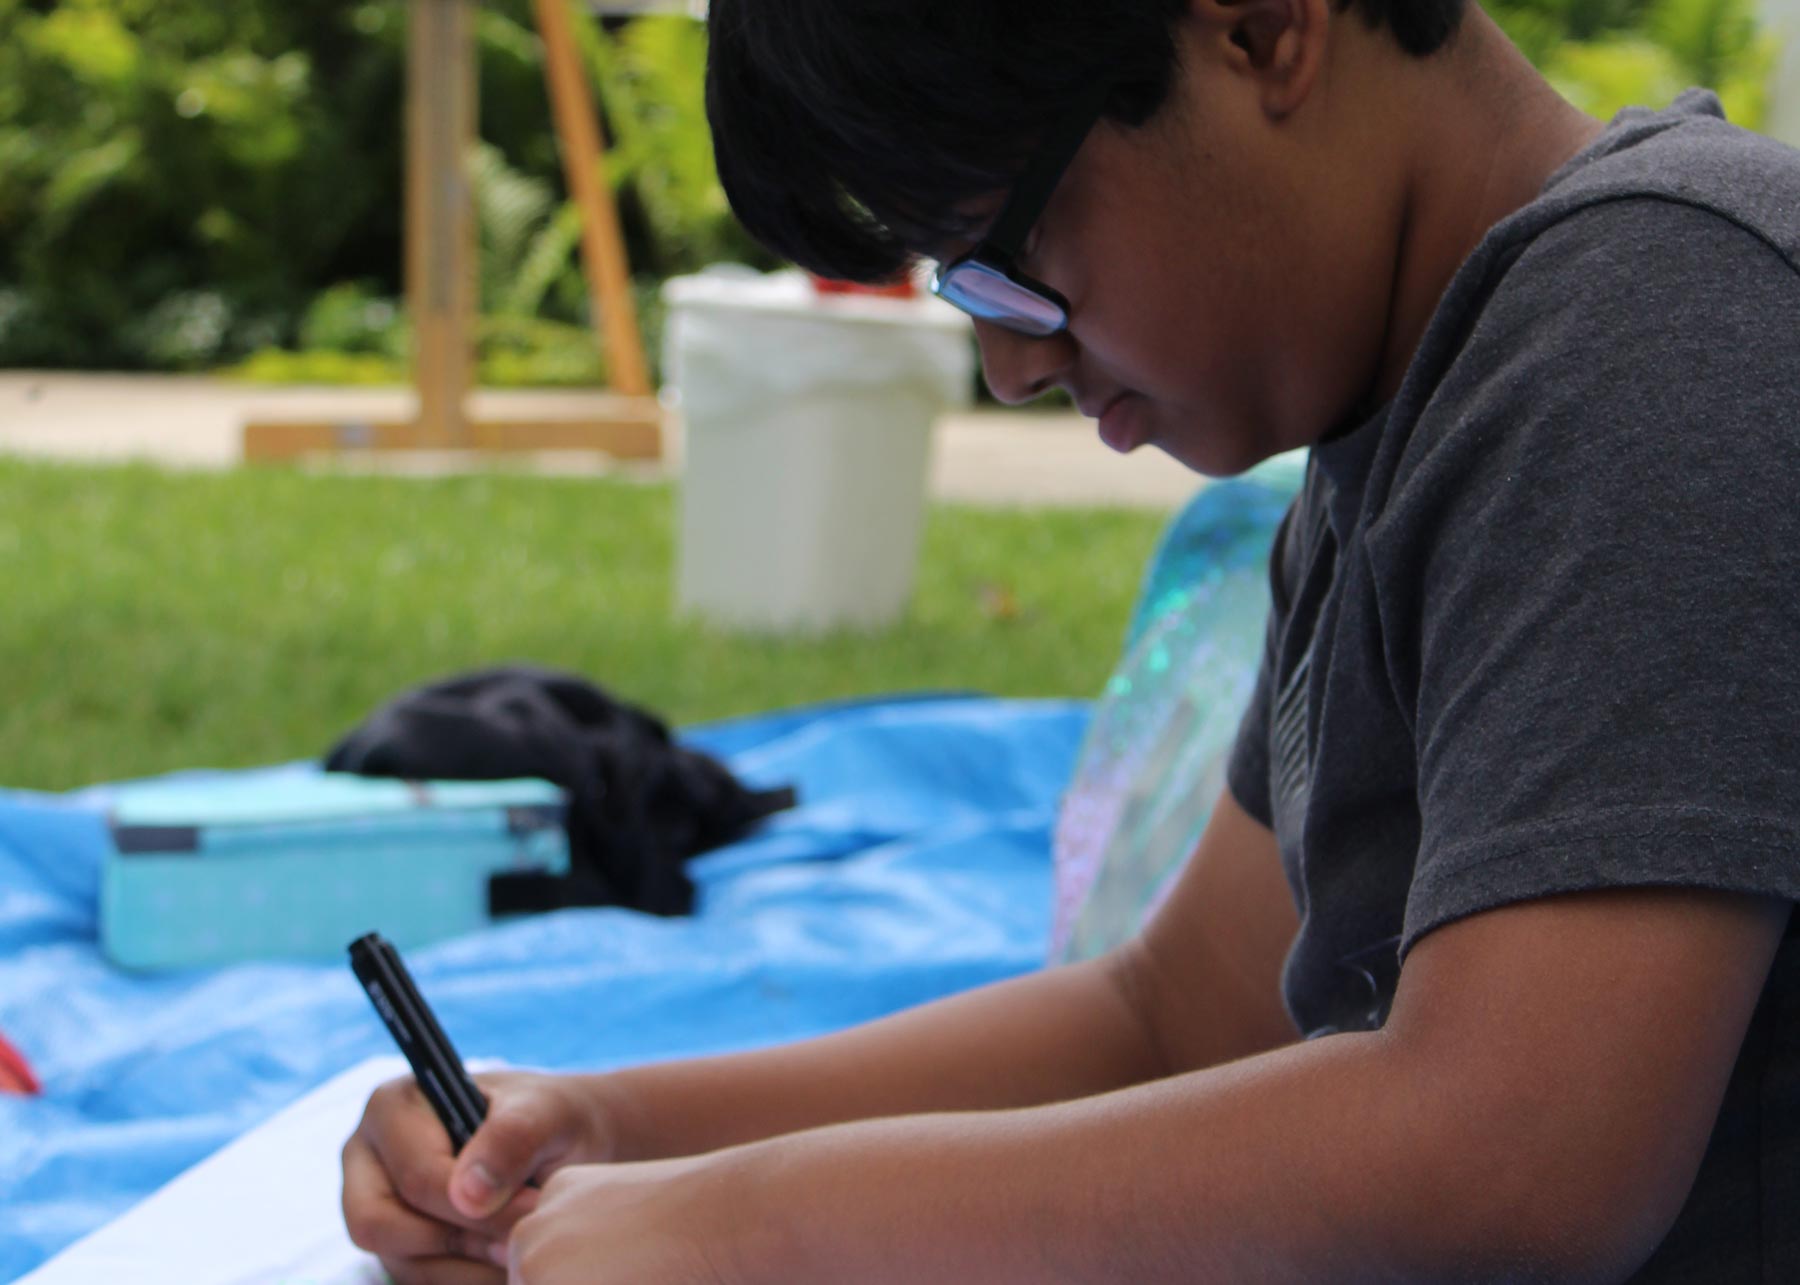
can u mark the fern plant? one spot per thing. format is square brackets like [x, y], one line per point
[526, 240]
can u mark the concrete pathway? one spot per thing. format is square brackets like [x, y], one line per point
[979, 457]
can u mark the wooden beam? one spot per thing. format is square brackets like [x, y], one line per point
[602, 245]
[440, 220]
[626, 428]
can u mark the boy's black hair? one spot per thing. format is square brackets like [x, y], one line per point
[853, 135]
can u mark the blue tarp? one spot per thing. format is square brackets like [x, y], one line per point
[917, 864]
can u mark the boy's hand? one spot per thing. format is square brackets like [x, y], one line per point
[689, 1221]
[437, 1219]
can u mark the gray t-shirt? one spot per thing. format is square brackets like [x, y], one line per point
[1537, 622]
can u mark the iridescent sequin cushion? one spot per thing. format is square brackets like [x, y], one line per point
[1154, 757]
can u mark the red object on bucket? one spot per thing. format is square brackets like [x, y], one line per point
[15, 1072]
[901, 289]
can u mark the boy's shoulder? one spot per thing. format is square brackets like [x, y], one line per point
[1686, 155]
[1655, 193]
[1623, 314]
[1631, 304]
[1609, 356]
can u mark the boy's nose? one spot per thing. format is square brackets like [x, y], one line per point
[1019, 367]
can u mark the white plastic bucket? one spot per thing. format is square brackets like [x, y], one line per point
[808, 439]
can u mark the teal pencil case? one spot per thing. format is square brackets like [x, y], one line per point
[294, 863]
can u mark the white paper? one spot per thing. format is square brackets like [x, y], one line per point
[263, 1210]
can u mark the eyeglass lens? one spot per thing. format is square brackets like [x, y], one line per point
[983, 292]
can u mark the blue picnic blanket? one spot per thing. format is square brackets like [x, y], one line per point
[917, 864]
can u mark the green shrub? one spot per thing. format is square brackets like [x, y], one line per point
[183, 182]
[319, 366]
[1607, 54]
[175, 181]
[353, 318]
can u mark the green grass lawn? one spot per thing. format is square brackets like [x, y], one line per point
[153, 620]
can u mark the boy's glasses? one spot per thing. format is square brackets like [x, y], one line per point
[986, 282]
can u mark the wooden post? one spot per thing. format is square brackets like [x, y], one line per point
[440, 221]
[602, 246]
[626, 422]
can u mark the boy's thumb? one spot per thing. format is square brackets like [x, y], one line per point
[501, 1155]
[474, 1189]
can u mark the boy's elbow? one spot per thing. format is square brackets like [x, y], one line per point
[1505, 1178]
[1545, 1238]
[1559, 1210]
[1606, 1231]
[1588, 1243]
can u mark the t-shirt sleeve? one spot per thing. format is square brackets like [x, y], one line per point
[1593, 543]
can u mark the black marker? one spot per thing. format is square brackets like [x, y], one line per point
[452, 1094]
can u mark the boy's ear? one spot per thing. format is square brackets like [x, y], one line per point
[1280, 43]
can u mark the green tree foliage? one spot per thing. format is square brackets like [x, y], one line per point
[183, 182]
[174, 182]
[1607, 54]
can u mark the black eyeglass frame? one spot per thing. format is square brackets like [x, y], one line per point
[996, 254]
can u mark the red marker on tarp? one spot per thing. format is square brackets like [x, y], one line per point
[15, 1072]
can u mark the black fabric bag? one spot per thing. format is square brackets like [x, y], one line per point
[639, 805]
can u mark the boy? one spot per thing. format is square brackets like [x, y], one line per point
[1482, 969]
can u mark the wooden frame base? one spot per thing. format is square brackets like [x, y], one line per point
[626, 428]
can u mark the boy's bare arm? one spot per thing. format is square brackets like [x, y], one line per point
[1534, 1110]
[1201, 987]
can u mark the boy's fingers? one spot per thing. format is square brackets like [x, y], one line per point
[411, 1246]
[385, 1222]
[423, 1182]
[379, 1218]
[410, 1148]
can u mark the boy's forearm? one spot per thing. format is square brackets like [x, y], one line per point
[1312, 1163]
[1047, 1037]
